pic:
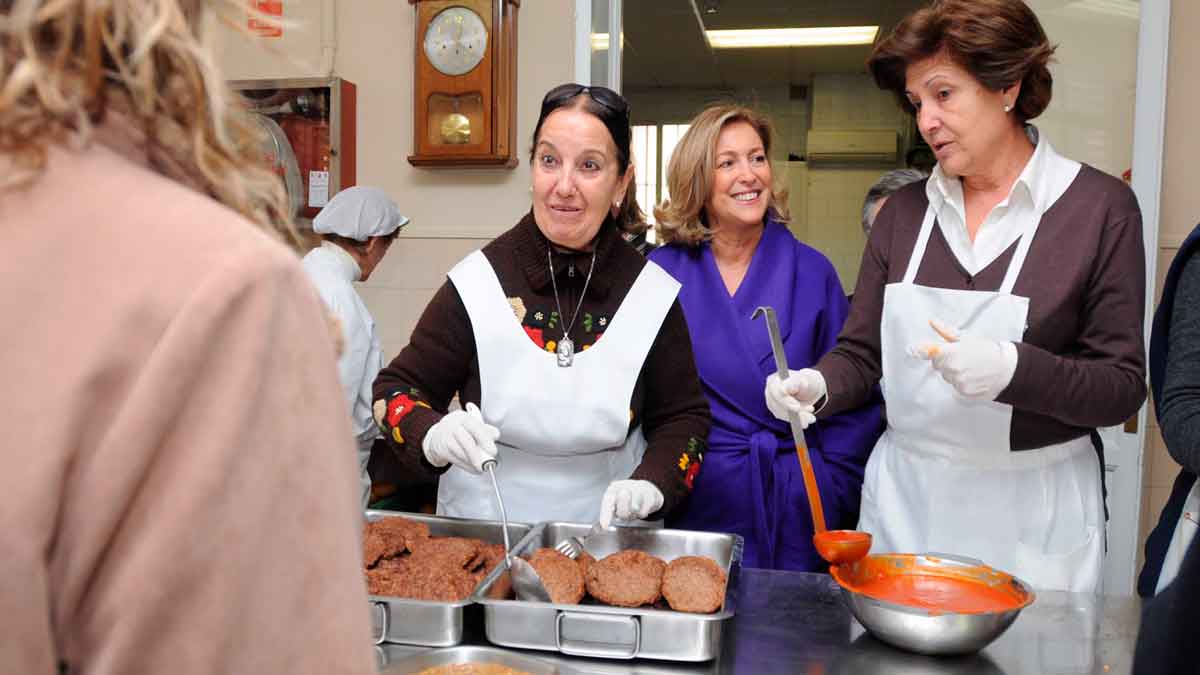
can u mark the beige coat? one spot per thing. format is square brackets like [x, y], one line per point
[178, 492]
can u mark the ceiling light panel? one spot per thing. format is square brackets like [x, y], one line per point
[792, 37]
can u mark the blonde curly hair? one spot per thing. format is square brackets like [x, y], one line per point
[67, 66]
[681, 219]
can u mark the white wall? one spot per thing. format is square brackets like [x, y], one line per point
[453, 211]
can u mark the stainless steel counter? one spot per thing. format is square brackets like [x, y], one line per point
[791, 622]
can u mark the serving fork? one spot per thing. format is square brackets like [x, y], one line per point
[573, 546]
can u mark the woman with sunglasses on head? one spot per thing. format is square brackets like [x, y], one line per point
[567, 349]
[727, 242]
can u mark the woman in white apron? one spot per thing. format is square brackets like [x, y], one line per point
[565, 346]
[999, 305]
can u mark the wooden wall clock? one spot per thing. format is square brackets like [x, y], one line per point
[465, 83]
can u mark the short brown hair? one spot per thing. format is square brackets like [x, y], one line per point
[999, 42]
[681, 218]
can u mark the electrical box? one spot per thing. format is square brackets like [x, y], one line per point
[311, 124]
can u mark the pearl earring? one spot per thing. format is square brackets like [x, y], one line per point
[1007, 108]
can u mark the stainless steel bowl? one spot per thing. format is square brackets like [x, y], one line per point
[917, 629]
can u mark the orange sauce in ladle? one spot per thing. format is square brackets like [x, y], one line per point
[837, 547]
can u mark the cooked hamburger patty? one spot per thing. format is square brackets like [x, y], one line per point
[408, 578]
[450, 552]
[402, 560]
[491, 555]
[694, 584]
[391, 537]
[626, 579]
[560, 575]
[585, 560]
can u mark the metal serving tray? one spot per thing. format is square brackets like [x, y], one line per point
[467, 654]
[428, 622]
[596, 630]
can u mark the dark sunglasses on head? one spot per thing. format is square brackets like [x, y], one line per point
[602, 95]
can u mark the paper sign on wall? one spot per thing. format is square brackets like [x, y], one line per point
[264, 18]
[318, 188]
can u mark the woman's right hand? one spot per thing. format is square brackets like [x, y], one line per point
[461, 438]
[797, 394]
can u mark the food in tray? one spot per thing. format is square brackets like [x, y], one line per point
[402, 560]
[694, 583]
[627, 578]
[562, 577]
[472, 669]
[585, 560]
[390, 537]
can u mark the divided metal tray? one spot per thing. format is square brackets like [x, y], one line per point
[596, 630]
[428, 622]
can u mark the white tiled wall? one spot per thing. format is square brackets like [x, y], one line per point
[852, 101]
[834, 219]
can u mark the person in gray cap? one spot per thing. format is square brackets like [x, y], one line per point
[357, 227]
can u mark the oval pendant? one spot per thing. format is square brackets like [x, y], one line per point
[565, 352]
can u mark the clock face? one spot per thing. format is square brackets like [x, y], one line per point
[456, 41]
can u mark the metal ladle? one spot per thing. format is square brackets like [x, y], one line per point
[838, 547]
[525, 580]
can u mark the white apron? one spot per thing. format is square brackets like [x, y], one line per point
[1185, 531]
[564, 432]
[943, 478]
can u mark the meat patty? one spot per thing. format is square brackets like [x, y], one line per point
[446, 552]
[694, 584]
[560, 575]
[409, 578]
[585, 560]
[488, 558]
[626, 579]
[390, 537]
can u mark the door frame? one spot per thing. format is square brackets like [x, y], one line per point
[1149, 129]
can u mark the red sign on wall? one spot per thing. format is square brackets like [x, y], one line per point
[264, 16]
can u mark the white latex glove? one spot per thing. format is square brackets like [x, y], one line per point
[461, 438]
[629, 500]
[799, 393]
[976, 368]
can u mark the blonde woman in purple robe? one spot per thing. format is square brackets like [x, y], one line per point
[727, 243]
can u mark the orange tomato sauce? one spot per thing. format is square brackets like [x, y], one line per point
[901, 580]
[941, 594]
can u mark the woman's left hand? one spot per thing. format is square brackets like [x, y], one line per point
[629, 500]
[976, 368]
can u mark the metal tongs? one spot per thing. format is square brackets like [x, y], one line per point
[525, 580]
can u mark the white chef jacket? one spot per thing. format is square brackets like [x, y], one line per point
[333, 271]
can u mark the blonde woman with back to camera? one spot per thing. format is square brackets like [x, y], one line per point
[1000, 301]
[726, 242]
[168, 367]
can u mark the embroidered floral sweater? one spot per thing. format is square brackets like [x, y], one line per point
[413, 392]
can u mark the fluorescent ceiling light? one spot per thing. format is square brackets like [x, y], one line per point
[792, 37]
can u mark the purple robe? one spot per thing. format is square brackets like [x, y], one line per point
[750, 482]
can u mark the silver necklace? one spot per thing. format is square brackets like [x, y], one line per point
[565, 350]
